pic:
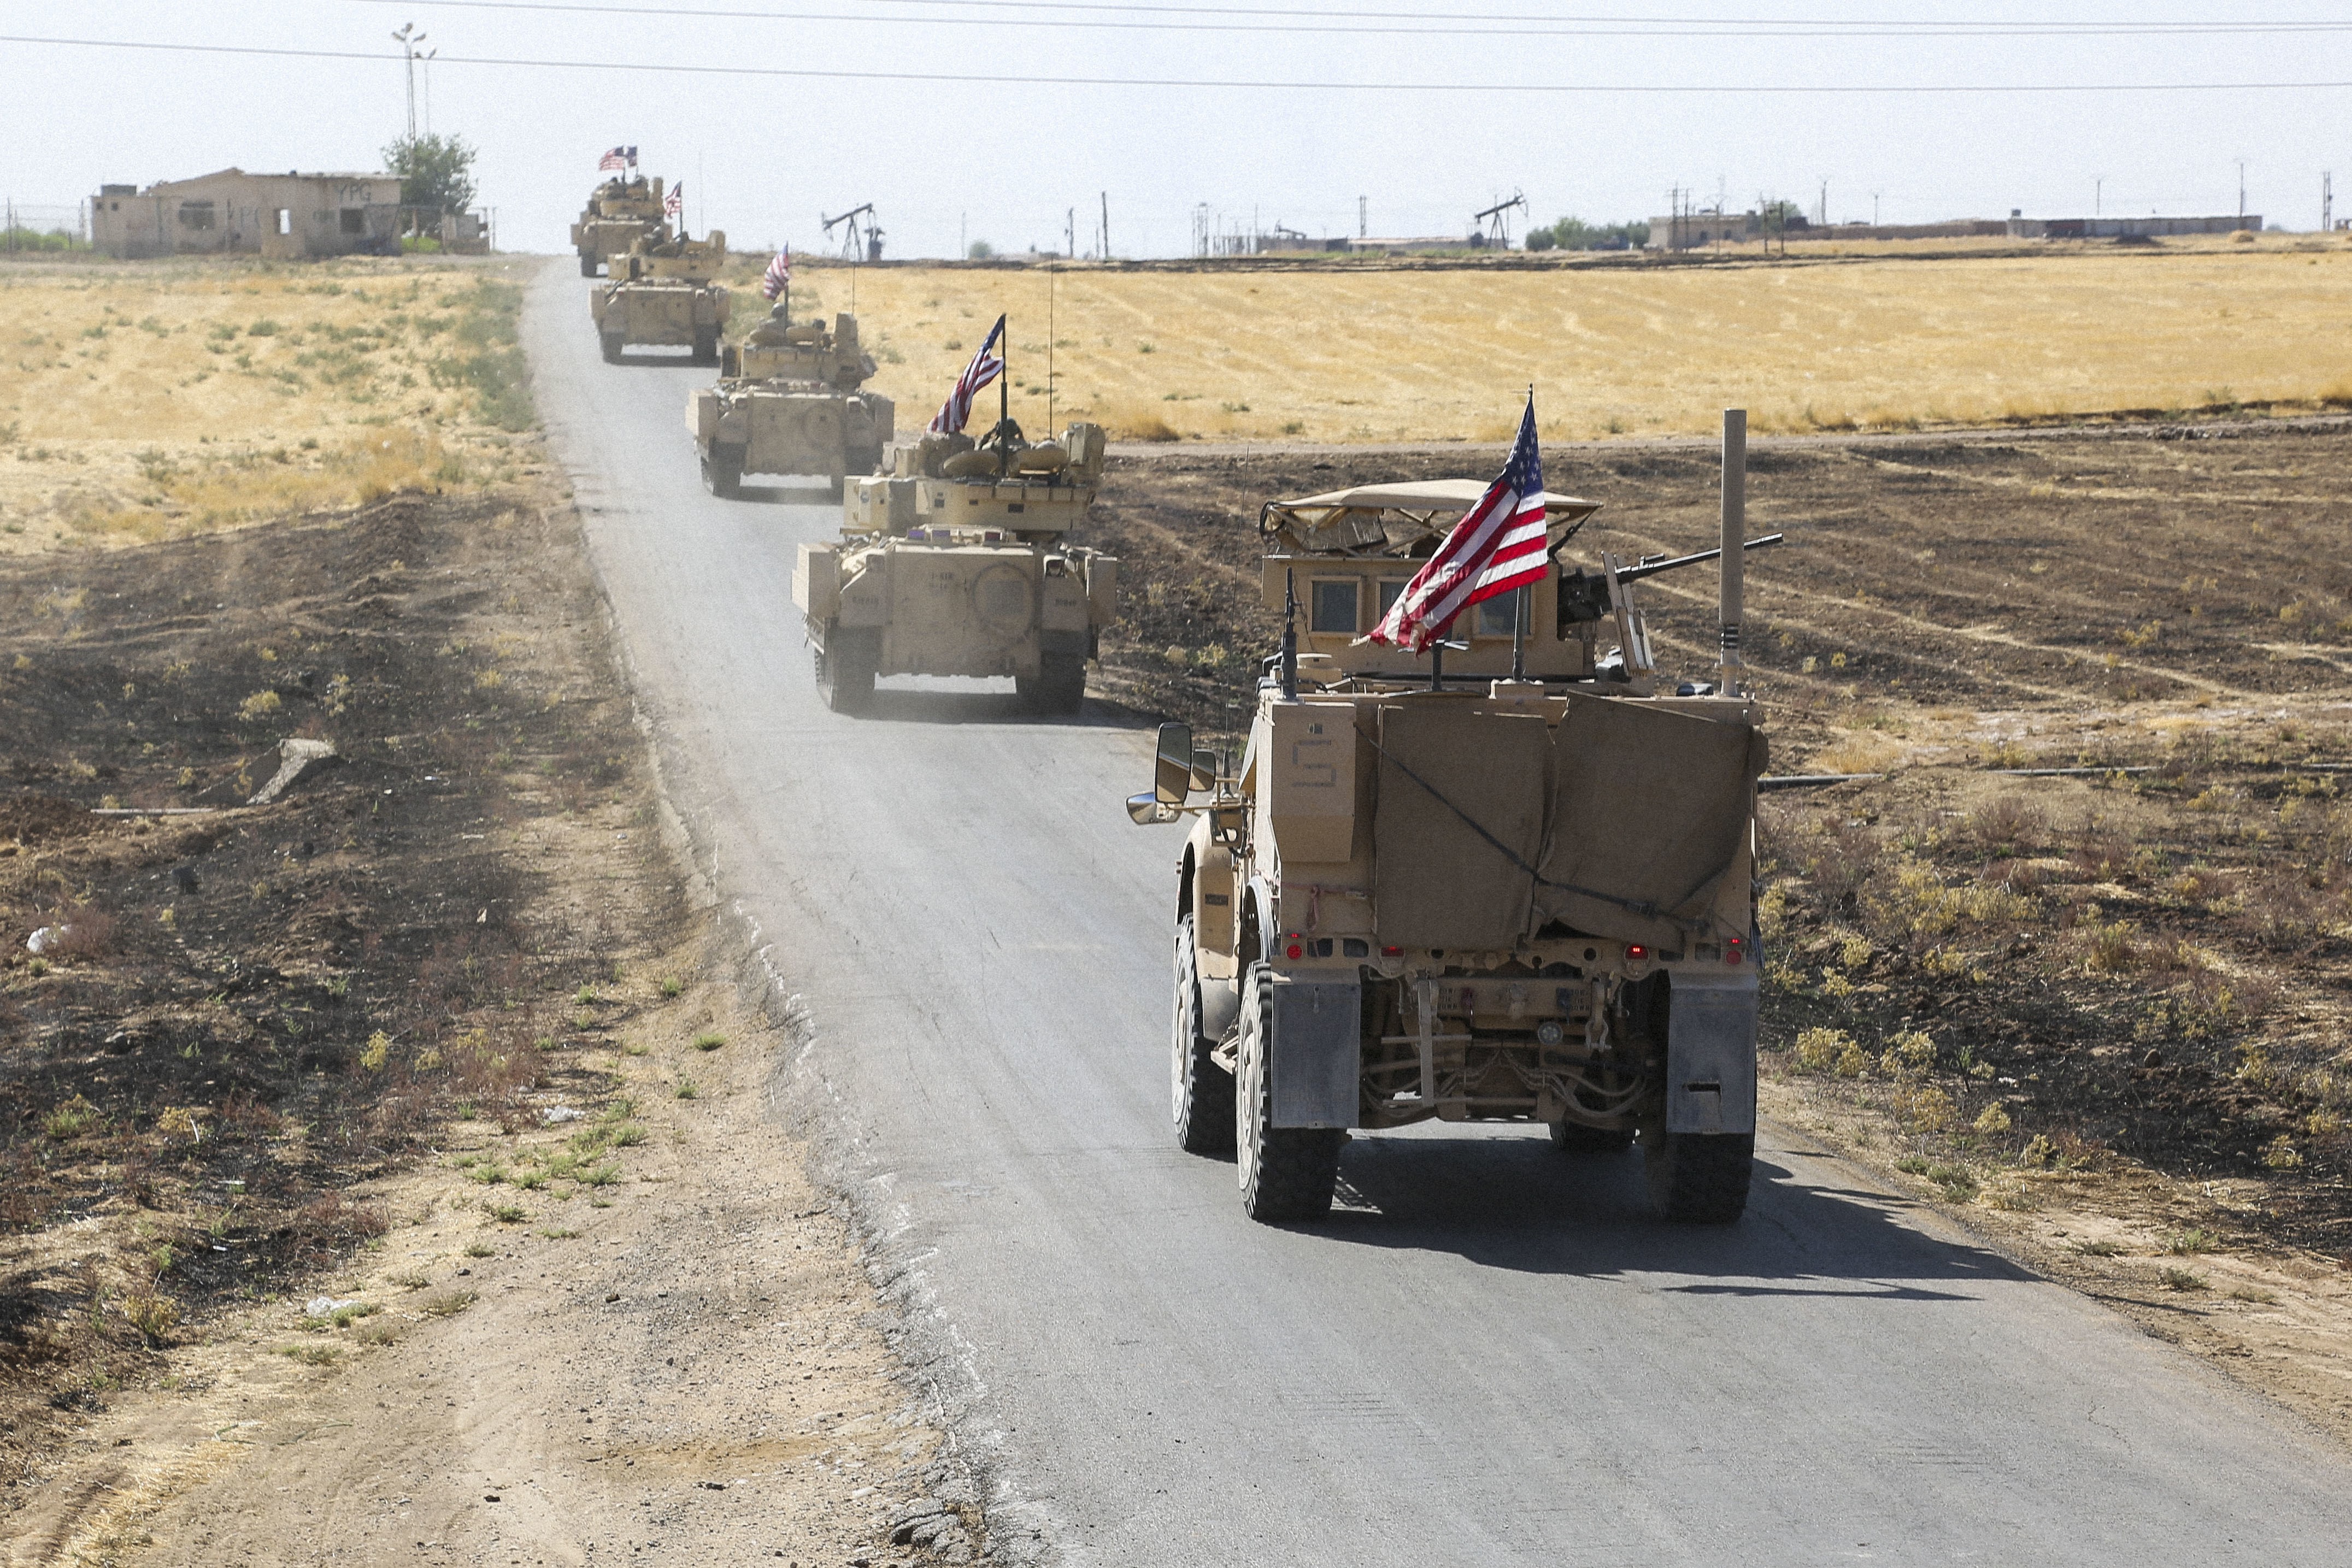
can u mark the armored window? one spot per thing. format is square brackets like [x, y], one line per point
[1334, 607]
[1498, 616]
[355, 220]
[196, 214]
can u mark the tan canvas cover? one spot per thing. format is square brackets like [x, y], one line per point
[1436, 882]
[1649, 806]
[1419, 496]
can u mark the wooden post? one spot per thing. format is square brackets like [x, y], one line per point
[1734, 541]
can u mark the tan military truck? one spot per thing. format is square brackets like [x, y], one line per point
[955, 564]
[664, 293]
[619, 214]
[788, 402]
[1513, 884]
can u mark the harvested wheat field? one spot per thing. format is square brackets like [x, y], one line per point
[1641, 349]
[149, 401]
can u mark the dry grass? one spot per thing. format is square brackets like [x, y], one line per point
[1337, 356]
[146, 401]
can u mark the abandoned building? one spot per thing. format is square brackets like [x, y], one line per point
[289, 214]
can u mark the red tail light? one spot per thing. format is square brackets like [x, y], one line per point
[1731, 951]
[1637, 952]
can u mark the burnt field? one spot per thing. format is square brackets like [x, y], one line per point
[2147, 963]
[238, 1012]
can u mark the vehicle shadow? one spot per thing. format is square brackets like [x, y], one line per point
[900, 706]
[817, 495]
[645, 358]
[1522, 1205]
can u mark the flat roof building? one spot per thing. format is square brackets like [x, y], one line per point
[233, 213]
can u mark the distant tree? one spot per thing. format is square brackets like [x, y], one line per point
[1575, 234]
[1540, 239]
[436, 173]
[980, 250]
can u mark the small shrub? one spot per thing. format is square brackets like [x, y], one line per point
[506, 1213]
[709, 1041]
[154, 1316]
[672, 985]
[2182, 1279]
[2254, 1293]
[601, 1176]
[2281, 1154]
[258, 706]
[1992, 1121]
[446, 1303]
[1924, 1109]
[312, 1354]
[378, 1051]
[2182, 1243]
[2099, 1248]
[687, 1089]
[70, 1120]
[1819, 1049]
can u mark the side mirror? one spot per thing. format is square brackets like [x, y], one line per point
[1172, 773]
[1204, 768]
[1147, 811]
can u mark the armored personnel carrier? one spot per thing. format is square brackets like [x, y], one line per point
[787, 403]
[664, 293]
[619, 214]
[955, 564]
[1510, 881]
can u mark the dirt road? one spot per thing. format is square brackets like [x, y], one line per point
[1490, 1354]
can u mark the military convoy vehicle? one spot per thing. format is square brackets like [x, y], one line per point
[955, 564]
[1512, 881]
[664, 293]
[787, 402]
[619, 214]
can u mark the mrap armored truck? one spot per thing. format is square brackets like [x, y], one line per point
[788, 402]
[955, 564]
[664, 293]
[1512, 881]
[619, 214]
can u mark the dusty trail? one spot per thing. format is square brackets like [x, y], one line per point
[1491, 1355]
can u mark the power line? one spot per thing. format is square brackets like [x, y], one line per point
[1490, 88]
[1377, 23]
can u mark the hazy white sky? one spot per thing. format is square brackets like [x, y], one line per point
[997, 157]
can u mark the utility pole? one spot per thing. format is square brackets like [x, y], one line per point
[1825, 201]
[1070, 235]
[1363, 217]
[1874, 209]
[1106, 226]
[964, 250]
[2098, 191]
[2328, 202]
[2242, 192]
[409, 37]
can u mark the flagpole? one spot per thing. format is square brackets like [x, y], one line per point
[1519, 633]
[1005, 401]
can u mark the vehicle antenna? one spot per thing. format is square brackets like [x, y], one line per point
[1289, 635]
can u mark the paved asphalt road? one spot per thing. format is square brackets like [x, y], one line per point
[1493, 1355]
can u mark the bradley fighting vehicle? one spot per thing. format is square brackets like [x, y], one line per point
[619, 213]
[1509, 881]
[954, 564]
[787, 403]
[664, 292]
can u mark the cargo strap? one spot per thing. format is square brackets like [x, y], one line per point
[1643, 907]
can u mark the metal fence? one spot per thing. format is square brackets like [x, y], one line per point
[44, 226]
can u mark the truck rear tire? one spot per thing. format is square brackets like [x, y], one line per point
[722, 471]
[613, 343]
[845, 670]
[1287, 1173]
[587, 265]
[1698, 1178]
[706, 345]
[1204, 1091]
[1058, 686]
[1575, 1138]
[864, 460]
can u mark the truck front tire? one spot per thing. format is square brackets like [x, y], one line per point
[706, 345]
[722, 470]
[613, 344]
[1287, 1173]
[1698, 1178]
[1204, 1091]
[587, 265]
[845, 667]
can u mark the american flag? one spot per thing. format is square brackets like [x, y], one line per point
[985, 367]
[675, 203]
[779, 276]
[618, 158]
[1496, 547]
